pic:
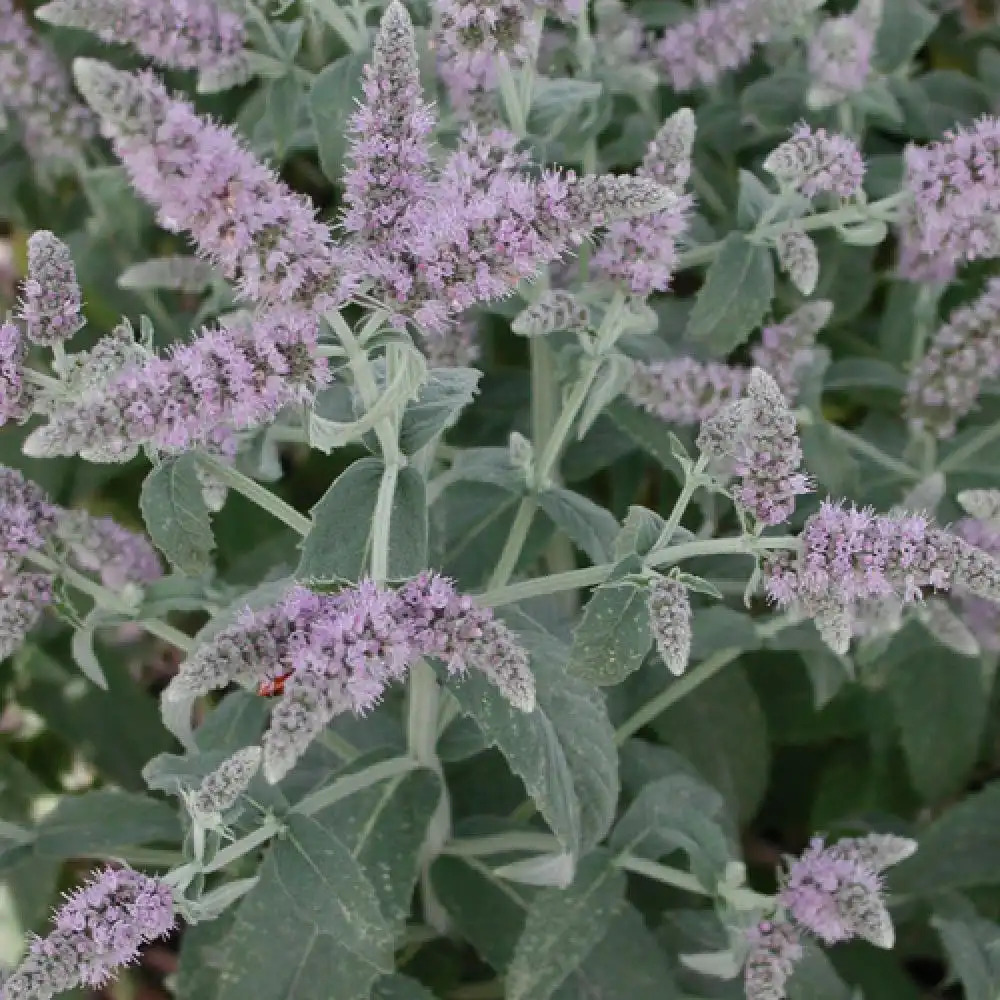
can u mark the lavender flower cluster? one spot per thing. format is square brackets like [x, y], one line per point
[834, 892]
[98, 929]
[338, 652]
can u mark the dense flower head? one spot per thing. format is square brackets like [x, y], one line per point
[23, 598]
[850, 555]
[963, 353]
[221, 790]
[98, 929]
[787, 349]
[177, 34]
[955, 187]
[815, 162]
[798, 258]
[35, 89]
[774, 948]
[15, 395]
[670, 622]
[338, 652]
[231, 378]
[201, 179]
[390, 150]
[100, 545]
[51, 303]
[28, 518]
[840, 54]
[980, 615]
[475, 37]
[767, 454]
[836, 893]
[668, 158]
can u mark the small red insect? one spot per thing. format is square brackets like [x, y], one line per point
[275, 686]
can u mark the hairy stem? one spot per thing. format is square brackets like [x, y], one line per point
[256, 494]
[966, 451]
[351, 783]
[872, 452]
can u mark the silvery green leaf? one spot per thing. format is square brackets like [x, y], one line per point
[864, 234]
[982, 504]
[82, 648]
[640, 531]
[437, 406]
[489, 465]
[718, 964]
[946, 627]
[332, 99]
[175, 273]
[613, 637]
[588, 525]
[211, 905]
[700, 585]
[553, 870]
[754, 200]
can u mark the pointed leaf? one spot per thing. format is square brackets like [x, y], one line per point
[613, 636]
[176, 516]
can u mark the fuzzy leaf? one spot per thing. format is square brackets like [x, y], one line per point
[331, 101]
[439, 404]
[590, 527]
[613, 636]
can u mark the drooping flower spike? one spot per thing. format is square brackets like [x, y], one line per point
[338, 652]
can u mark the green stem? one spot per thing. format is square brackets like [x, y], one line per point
[742, 898]
[268, 829]
[678, 689]
[821, 220]
[590, 576]
[516, 538]
[671, 554]
[691, 483]
[967, 450]
[382, 522]
[501, 843]
[872, 452]
[256, 494]
[351, 783]
[111, 601]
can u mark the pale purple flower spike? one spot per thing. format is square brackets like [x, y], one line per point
[34, 88]
[23, 599]
[15, 395]
[840, 55]
[201, 179]
[98, 929]
[955, 187]
[815, 162]
[28, 518]
[102, 546]
[176, 34]
[834, 893]
[981, 616]
[342, 650]
[962, 354]
[51, 301]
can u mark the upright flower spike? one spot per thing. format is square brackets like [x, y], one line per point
[642, 252]
[475, 38]
[767, 454]
[236, 377]
[670, 622]
[962, 355]
[774, 949]
[27, 518]
[35, 90]
[51, 301]
[981, 616]
[955, 189]
[814, 162]
[390, 149]
[175, 34]
[202, 180]
[221, 789]
[98, 929]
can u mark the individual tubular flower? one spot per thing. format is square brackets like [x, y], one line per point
[788, 348]
[35, 90]
[767, 454]
[23, 598]
[475, 38]
[15, 395]
[202, 180]
[51, 303]
[390, 148]
[836, 892]
[176, 34]
[963, 353]
[642, 252]
[555, 309]
[685, 391]
[774, 949]
[840, 55]
[27, 518]
[235, 377]
[816, 162]
[221, 789]
[670, 622]
[955, 190]
[98, 929]
[799, 259]
[100, 545]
